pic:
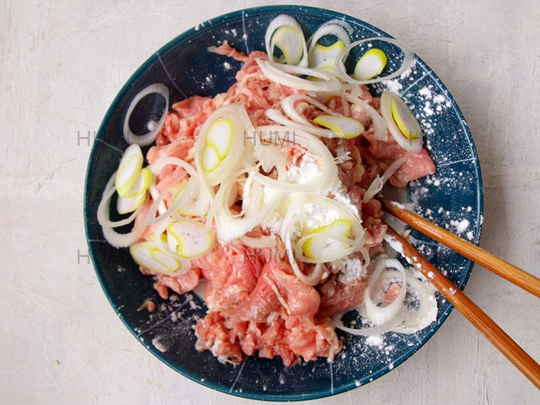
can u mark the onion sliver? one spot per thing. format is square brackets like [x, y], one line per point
[320, 183]
[103, 211]
[285, 74]
[159, 164]
[261, 242]
[291, 221]
[406, 320]
[367, 331]
[116, 239]
[266, 153]
[228, 227]
[378, 183]
[408, 59]
[173, 207]
[151, 136]
[198, 196]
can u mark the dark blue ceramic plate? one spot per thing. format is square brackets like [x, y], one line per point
[452, 197]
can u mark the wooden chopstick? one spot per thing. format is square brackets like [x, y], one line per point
[508, 347]
[467, 249]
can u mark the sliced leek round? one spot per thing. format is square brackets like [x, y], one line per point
[141, 183]
[220, 136]
[220, 144]
[326, 243]
[370, 65]
[401, 122]
[286, 34]
[192, 238]
[342, 126]
[290, 42]
[136, 196]
[125, 205]
[148, 255]
[210, 158]
[321, 53]
[129, 169]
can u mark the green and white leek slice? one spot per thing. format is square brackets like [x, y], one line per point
[221, 144]
[136, 196]
[318, 53]
[192, 238]
[343, 127]
[285, 33]
[328, 242]
[406, 62]
[370, 65]
[401, 122]
[148, 254]
[129, 169]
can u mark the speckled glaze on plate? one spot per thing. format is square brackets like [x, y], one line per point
[451, 197]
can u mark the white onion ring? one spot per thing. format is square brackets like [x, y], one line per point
[283, 74]
[151, 136]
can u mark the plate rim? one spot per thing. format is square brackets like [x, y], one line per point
[241, 13]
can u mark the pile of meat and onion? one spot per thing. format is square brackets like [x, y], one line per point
[265, 193]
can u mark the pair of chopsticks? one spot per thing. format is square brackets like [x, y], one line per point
[493, 332]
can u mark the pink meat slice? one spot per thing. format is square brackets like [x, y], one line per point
[275, 315]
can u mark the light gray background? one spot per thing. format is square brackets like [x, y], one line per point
[62, 63]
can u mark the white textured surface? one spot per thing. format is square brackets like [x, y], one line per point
[62, 63]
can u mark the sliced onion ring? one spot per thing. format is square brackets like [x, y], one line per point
[379, 315]
[285, 74]
[151, 136]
